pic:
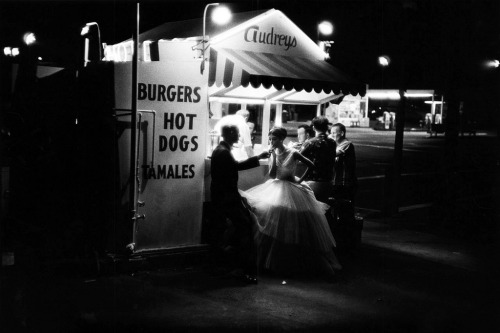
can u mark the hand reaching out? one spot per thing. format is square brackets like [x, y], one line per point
[264, 154]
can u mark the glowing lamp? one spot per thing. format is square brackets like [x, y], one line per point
[29, 38]
[85, 30]
[93, 47]
[325, 28]
[221, 15]
[493, 63]
[384, 61]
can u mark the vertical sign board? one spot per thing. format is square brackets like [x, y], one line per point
[171, 150]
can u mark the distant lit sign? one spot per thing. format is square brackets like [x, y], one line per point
[384, 94]
[394, 94]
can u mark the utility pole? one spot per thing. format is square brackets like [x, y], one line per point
[133, 133]
[397, 164]
[393, 174]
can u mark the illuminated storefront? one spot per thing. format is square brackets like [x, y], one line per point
[261, 61]
[352, 111]
[424, 108]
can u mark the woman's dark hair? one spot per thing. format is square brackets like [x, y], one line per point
[280, 132]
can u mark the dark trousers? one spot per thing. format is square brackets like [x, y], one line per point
[239, 235]
[345, 226]
[344, 193]
[323, 191]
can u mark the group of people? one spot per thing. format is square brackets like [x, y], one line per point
[283, 224]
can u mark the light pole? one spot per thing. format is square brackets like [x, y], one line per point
[393, 173]
[324, 28]
[86, 33]
[222, 16]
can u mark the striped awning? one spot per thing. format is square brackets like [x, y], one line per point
[237, 67]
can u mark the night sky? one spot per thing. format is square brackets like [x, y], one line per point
[433, 44]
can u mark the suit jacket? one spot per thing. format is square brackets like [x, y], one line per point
[321, 151]
[345, 166]
[224, 170]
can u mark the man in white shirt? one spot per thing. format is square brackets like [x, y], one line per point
[244, 145]
[245, 133]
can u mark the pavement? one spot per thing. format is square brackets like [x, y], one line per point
[400, 279]
[413, 272]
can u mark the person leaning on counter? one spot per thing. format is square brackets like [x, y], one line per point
[227, 199]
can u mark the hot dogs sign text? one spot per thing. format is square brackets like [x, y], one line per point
[178, 131]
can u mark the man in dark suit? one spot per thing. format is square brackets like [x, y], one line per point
[228, 202]
[321, 150]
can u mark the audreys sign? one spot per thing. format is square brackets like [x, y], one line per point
[254, 35]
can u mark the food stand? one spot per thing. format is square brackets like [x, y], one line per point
[260, 58]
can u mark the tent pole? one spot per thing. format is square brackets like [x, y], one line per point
[265, 124]
[318, 110]
[278, 119]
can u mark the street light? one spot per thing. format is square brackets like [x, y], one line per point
[384, 61]
[29, 38]
[493, 63]
[324, 28]
[221, 15]
[86, 32]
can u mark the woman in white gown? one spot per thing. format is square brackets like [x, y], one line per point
[293, 233]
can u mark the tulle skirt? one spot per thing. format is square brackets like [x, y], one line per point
[292, 230]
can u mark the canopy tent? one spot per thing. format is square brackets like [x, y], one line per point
[236, 68]
[248, 59]
[269, 58]
[259, 58]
